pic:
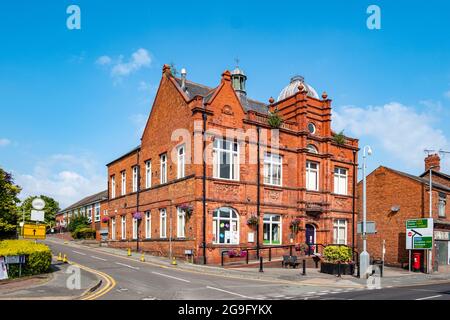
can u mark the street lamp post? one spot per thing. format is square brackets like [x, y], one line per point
[364, 260]
[430, 252]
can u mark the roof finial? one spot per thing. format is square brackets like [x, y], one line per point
[237, 62]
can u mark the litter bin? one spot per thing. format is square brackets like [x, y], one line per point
[378, 264]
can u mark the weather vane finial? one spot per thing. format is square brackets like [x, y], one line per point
[237, 61]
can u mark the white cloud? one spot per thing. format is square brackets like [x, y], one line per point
[66, 178]
[103, 60]
[447, 94]
[4, 142]
[400, 130]
[120, 68]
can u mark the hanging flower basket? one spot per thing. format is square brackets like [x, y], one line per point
[137, 215]
[105, 219]
[252, 221]
[295, 225]
[188, 209]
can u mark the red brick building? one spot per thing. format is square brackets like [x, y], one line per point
[94, 207]
[394, 197]
[163, 195]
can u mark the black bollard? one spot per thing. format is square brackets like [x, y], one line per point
[304, 268]
[261, 264]
[339, 269]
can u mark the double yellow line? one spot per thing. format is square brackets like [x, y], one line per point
[109, 281]
[109, 284]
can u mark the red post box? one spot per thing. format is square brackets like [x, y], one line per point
[416, 261]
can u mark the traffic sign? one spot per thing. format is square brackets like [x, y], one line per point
[37, 215]
[38, 204]
[34, 231]
[419, 234]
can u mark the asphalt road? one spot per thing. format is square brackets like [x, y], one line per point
[142, 281]
[425, 292]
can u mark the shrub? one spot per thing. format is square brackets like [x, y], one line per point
[77, 223]
[274, 120]
[38, 257]
[339, 138]
[335, 254]
[84, 233]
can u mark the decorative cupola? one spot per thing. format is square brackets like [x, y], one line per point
[238, 79]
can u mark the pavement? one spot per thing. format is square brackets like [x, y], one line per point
[58, 284]
[156, 278]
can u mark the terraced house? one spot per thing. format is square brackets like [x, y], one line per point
[94, 207]
[261, 182]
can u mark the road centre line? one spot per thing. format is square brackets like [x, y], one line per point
[172, 277]
[431, 297]
[80, 253]
[229, 292]
[127, 265]
[98, 258]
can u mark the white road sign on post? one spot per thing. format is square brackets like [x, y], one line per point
[419, 234]
[37, 215]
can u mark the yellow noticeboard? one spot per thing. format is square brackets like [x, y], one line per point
[34, 231]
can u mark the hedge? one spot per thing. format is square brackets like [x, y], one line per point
[38, 257]
[84, 233]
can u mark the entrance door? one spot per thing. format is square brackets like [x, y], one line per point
[310, 235]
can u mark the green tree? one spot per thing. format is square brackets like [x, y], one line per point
[8, 203]
[51, 209]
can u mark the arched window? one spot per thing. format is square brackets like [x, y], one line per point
[225, 226]
[312, 148]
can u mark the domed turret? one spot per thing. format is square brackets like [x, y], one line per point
[238, 79]
[293, 87]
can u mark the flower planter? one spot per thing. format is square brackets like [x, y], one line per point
[333, 268]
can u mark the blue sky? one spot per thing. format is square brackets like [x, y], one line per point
[72, 100]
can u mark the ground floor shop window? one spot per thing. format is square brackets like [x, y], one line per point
[272, 229]
[225, 226]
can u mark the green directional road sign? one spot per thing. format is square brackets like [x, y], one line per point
[419, 234]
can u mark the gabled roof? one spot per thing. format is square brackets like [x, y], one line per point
[125, 155]
[438, 173]
[98, 197]
[193, 89]
[419, 179]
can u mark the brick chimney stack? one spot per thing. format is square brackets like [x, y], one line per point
[433, 160]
